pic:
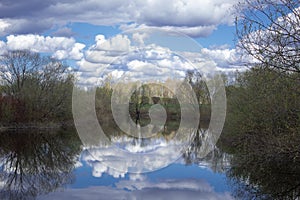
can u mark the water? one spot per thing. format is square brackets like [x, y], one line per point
[45, 164]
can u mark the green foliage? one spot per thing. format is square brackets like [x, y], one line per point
[263, 102]
[262, 132]
[197, 81]
[103, 102]
[145, 100]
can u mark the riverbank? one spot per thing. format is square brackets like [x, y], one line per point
[36, 125]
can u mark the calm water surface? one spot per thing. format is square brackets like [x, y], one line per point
[55, 165]
[39, 164]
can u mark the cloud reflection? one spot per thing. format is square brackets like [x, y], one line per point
[138, 154]
[128, 189]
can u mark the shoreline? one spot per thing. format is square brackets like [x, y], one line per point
[40, 125]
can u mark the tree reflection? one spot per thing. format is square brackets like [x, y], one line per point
[266, 168]
[36, 162]
[195, 153]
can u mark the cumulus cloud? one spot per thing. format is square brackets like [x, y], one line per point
[102, 57]
[224, 58]
[145, 65]
[135, 57]
[118, 43]
[60, 47]
[139, 38]
[193, 17]
[106, 51]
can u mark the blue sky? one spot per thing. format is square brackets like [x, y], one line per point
[85, 33]
[89, 35]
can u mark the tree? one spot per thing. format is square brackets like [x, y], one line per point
[268, 30]
[42, 85]
[197, 81]
[263, 102]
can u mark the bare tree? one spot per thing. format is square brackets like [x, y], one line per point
[269, 31]
[42, 84]
[15, 66]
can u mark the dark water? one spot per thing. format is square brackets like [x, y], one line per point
[41, 164]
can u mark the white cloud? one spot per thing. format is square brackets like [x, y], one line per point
[118, 56]
[148, 69]
[4, 25]
[139, 38]
[137, 177]
[60, 47]
[90, 67]
[117, 74]
[106, 51]
[193, 17]
[119, 43]
[2, 47]
[100, 56]
[186, 13]
[74, 52]
[155, 52]
[277, 43]
[145, 61]
[224, 58]
[192, 31]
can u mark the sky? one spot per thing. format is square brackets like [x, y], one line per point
[98, 38]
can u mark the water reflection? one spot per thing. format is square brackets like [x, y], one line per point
[175, 182]
[35, 162]
[264, 168]
[217, 160]
[126, 154]
[38, 162]
[146, 190]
